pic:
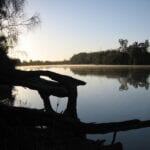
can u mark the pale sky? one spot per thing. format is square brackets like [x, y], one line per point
[72, 26]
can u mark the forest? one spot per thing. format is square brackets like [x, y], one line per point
[134, 54]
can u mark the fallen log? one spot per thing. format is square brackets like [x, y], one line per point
[63, 79]
[32, 80]
[63, 86]
[49, 87]
[34, 117]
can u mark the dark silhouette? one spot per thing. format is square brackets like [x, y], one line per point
[123, 45]
[134, 54]
[24, 128]
[12, 20]
[6, 95]
[40, 62]
[57, 131]
[51, 128]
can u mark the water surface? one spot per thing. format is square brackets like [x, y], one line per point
[110, 95]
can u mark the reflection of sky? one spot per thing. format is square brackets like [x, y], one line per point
[28, 98]
[100, 94]
[101, 101]
[110, 104]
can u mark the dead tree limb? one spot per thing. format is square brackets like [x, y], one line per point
[104, 128]
[63, 86]
[60, 86]
[63, 79]
[34, 117]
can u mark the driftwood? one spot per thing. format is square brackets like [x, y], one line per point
[35, 117]
[47, 119]
[32, 80]
[60, 85]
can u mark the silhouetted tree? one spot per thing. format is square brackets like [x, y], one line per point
[6, 64]
[12, 19]
[134, 54]
[123, 44]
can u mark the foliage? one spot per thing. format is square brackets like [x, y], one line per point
[123, 44]
[134, 54]
[39, 62]
[6, 64]
[12, 19]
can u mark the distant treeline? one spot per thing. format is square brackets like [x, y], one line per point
[134, 54]
[39, 62]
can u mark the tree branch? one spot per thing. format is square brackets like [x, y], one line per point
[34, 117]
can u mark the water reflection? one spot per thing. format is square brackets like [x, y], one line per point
[126, 76]
[100, 101]
[82, 142]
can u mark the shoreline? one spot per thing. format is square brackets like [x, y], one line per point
[85, 66]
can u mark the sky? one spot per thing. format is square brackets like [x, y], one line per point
[72, 26]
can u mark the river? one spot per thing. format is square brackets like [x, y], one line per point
[111, 94]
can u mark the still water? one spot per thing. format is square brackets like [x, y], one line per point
[110, 95]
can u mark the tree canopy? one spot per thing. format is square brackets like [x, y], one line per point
[13, 20]
[134, 54]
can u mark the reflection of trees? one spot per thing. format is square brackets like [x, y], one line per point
[54, 128]
[47, 128]
[126, 76]
[6, 95]
[123, 81]
[139, 78]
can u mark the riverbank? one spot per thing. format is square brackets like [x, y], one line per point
[84, 66]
